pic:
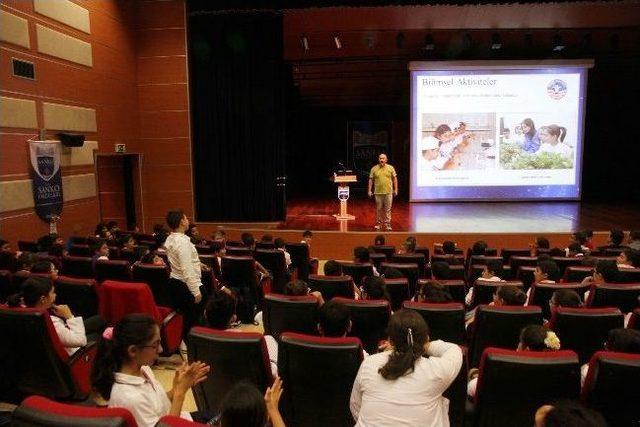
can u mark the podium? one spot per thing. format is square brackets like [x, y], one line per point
[343, 195]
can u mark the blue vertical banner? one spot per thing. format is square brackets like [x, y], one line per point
[47, 179]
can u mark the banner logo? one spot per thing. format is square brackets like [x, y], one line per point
[46, 179]
[557, 89]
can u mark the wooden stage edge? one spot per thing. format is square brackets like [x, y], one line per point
[502, 225]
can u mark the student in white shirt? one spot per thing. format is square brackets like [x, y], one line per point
[279, 244]
[430, 158]
[490, 273]
[401, 387]
[552, 138]
[546, 272]
[620, 340]
[122, 372]
[185, 284]
[39, 292]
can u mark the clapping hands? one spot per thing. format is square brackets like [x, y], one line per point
[189, 375]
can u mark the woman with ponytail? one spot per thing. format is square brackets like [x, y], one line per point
[73, 331]
[403, 385]
[552, 138]
[122, 374]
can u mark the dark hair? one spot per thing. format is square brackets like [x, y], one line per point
[124, 239]
[433, 292]
[542, 242]
[296, 288]
[531, 126]
[26, 260]
[624, 340]
[148, 258]
[334, 319]
[495, 266]
[174, 218]
[332, 268]
[448, 247]
[279, 243]
[633, 256]
[57, 250]
[307, 233]
[556, 252]
[159, 228]
[616, 236]
[608, 269]
[479, 248]
[3, 242]
[566, 298]
[580, 237]
[575, 248]
[392, 273]
[573, 414]
[441, 270]
[374, 288]
[266, 238]
[379, 240]
[550, 269]
[247, 239]
[42, 267]
[31, 290]
[101, 227]
[633, 235]
[45, 242]
[132, 329]
[533, 336]
[410, 244]
[97, 244]
[511, 295]
[219, 310]
[112, 224]
[361, 254]
[243, 406]
[544, 257]
[440, 130]
[558, 131]
[408, 333]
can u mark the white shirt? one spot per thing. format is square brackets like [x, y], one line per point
[446, 148]
[287, 256]
[468, 299]
[559, 148]
[184, 261]
[414, 399]
[431, 165]
[143, 396]
[70, 332]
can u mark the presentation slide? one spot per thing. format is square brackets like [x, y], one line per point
[497, 131]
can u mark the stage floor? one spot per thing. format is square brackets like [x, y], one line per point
[471, 217]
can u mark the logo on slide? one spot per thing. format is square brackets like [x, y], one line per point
[557, 89]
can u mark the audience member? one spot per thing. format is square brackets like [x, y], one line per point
[400, 377]
[606, 271]
[628, 258]
[334, 320]
[45, 268]
[301, 288]
[409, 245]
[568, 414]
[433, 292]
[152, 257]
[448, 247]
[332, 268]
[392, 273]
[575, 250]
[100, 250]
[634, 240]
[127, 242]
[540, 243]
[280, 245]
[122, 372]
[244, 406]
[440, 270]
[307, 236]
[379, 240]
[361, 256]
[491, 272]
[373, 289]
[619, 340]
[479, 248]
[73, 332]
[194, 234]
[616, 238]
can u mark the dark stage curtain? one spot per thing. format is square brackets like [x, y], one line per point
[237, 81]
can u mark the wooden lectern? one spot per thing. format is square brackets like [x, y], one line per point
[343, 194]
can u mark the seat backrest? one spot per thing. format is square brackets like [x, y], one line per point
[585, 330]
[398, 291]
[117, 299]
[377, 259]
[507, 253]
[634, 320]
[299, 253]
[611, 386]
[319, 373]
[369, 319]
[265, 245]
[283, 313]
[500, 326]
[414, 258]
[238, 251]
[512, 385]
[79, 294]
[6, 286]
[623, 296]
[175, 421]
[212, 262]
[112, 270]
[273, 260]
[83, 250]
[577, 273]
[38, 411]
[564, 262]
[515, 262]
[357, 271]
[387, 250]
[541, 294]
[238, 271]
[484, 290]
[424, 251]
[76, 266]
[157, 277]
[526, 274]
[27, 246]
[203, 249]
[331, 286]
[446, 321]
[456, 288]
[410, 271]
[629, 275]
[449, 259]
[33, 359]
[236, 356]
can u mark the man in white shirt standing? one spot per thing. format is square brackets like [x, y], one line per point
[185, 280]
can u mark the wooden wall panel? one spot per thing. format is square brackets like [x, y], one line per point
[63, 46]
[14, 29]
[66, 12]
[17, 113]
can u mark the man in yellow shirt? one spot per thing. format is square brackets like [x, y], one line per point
[386, 186]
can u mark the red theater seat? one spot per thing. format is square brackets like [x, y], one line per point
[446, 321]
[369, 319]
[234, 357]
[414, 258]
[512, 385]
[541, 294]
[319, 374]
[238, 251]
[6, 286]
[79, 294]
[398, 291]
[410, 271]
[387, 250]
[634, 320]
[283, 313]
[611, 387]
[508, 253]
[76, 266]
[171, 421]
[449, 259]
[484, 290]
[83, 250]
[455, 287]
[623, 296]
[37, 411]
[27, 246]
[118, 299]
[274, 261]
[585, 330]
[112, 270]
[577, 273]
[357, 271]
[300, 260]
[157, 277]
[331, 286]
[35, 362]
